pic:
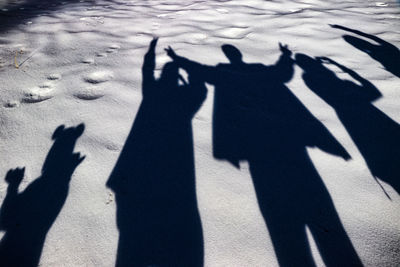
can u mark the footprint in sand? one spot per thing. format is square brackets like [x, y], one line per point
[88, 60]
[99, 77]
[113, 48]
[100, 54]
[38, 94]
[96, 91]
[90, 93]
[12, 104]
[42, 92]
[54, 77]
[381, 4]
[47, 84]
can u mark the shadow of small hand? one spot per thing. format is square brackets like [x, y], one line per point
[15, 176]
[285, 50]
[76, 159]
[171, 53]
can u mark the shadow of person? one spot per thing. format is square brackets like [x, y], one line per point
[26, 217]
[383, 52]
[257, 118]
[154, 178]
[375, 134]
[232, 97]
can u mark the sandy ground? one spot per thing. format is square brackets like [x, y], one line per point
[68, 63]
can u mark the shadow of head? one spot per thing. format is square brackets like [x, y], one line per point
[170, 74]
[61, 158]
[307, 63]
[313, 65]
[232, 53]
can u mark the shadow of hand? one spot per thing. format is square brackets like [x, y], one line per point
[15, 176]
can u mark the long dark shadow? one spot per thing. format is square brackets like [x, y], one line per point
[257, 118]
[26, 217]
[376, 135]
[154, 178]
[17, 12]
[383, 52]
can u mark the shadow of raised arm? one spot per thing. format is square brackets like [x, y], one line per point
[384, 52]
[149, 64]
[363, 34]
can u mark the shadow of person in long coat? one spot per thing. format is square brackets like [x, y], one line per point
[257, 118]
[154, 178]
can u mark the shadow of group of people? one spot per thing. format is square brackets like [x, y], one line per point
[256, 118]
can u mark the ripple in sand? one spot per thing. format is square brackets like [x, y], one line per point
[222, 10]
[232, 33]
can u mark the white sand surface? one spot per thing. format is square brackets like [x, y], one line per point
[72, 62]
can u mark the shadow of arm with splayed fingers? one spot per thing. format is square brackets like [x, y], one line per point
[367, 89]
[366, 35]
[207, 73]
[385, 53]
[363, 34]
